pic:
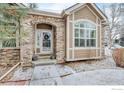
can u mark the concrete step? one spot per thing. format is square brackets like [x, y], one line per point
[44, 62]
[44, 57]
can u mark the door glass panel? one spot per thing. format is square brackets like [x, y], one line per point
[46, 41]
[38, 39]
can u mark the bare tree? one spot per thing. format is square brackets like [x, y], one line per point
[32, 5]
[114, 22]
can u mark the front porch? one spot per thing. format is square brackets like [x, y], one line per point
[44, 43]
[46, 37]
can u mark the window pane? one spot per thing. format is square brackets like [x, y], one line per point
[88, 42]
[93, 33]
[82, 33]
[0, 43]
[82, 42]
[76, 32]
[77, 25]
[76, 42]
[92, 26]
[93, 42]
[9, 42]
[82, 24]
[87, 33]
[87, 25]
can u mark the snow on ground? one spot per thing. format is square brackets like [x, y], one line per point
[92, 72]
[108, 52]
[96, 77]
[100, 72]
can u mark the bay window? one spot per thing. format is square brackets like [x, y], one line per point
[85, 34]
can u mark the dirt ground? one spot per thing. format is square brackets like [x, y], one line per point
[4, 69]
[107, 63]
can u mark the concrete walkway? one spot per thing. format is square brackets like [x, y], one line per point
[50, 74]
[63, 75]
[102, 72]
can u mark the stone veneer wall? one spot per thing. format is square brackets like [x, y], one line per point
[59, 23]
[28, 44]
[9, 56]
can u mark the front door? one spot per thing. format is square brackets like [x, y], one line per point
[44, 40]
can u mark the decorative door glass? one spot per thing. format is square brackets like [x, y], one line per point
[46, 43]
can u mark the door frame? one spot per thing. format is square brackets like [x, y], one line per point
[43, 30]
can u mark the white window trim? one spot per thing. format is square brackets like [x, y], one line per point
[85, 33]
[85, 20]
[67, 36]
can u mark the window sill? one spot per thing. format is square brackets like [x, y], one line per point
[11, 48]
[86, 48]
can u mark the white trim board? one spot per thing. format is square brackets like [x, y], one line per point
[67, 37]
[77, 59]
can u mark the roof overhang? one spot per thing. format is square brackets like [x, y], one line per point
[44, 13]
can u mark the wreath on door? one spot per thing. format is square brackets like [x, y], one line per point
[46, 37]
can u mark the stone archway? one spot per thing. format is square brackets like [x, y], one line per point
[41, 46]
[29, 26]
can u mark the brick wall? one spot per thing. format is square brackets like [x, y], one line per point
[9, 56]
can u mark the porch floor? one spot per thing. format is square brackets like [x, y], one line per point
[44, 62]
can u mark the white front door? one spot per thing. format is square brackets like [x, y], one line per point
[44, 41]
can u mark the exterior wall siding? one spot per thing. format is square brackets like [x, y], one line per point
[71, 34]
[85, 53]
[84, 13]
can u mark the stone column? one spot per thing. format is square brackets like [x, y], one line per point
[26, 43]
[60, 43]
